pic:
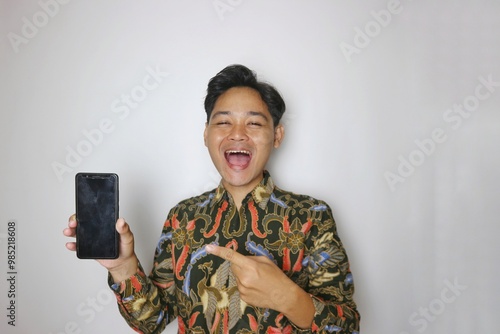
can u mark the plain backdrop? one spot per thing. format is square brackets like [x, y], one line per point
[393, 119]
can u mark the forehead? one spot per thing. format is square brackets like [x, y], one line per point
[240, 99]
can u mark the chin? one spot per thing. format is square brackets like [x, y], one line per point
[238, 179]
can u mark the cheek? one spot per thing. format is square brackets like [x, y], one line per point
[212, 142]
[209, 143]
[265, 140]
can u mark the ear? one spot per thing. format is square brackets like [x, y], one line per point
[205, 134]
[279, 134]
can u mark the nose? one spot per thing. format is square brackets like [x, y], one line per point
[238, 132]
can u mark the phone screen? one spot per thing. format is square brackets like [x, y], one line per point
[96, 214]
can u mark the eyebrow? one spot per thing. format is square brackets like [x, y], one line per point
[248, 113]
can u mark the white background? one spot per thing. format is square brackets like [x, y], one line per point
[361, 94]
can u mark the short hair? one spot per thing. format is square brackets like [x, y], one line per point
[241, 76]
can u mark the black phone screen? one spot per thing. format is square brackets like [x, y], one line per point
[96, 214]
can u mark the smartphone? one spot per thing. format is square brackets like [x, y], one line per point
[96, 214]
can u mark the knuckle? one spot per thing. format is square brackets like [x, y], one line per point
[228, 254]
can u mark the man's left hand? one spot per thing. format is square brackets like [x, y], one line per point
[260, 282]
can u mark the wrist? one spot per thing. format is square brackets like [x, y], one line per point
[301, 316]
[124, 270]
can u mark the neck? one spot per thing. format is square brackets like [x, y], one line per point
[238, 194]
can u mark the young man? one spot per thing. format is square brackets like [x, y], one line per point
[246, 257]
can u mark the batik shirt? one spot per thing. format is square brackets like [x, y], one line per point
[296, 232]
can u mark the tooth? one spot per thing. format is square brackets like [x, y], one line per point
[238, 151]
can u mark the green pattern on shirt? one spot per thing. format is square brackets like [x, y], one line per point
[297, 232]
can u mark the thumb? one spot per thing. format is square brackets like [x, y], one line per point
[123, 229]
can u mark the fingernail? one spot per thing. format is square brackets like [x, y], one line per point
[209, 248]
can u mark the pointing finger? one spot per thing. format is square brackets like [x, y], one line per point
[226, 253]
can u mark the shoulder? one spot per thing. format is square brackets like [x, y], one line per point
[192, 204]
[307, 212]
[302, 201]
[200, 200]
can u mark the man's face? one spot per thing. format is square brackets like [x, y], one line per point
[240, 137]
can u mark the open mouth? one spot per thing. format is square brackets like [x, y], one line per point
[238, 158]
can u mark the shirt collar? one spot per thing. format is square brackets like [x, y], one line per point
[260, 194]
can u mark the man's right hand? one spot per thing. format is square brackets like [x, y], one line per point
[126, 264]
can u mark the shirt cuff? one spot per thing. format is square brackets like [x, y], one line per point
[126, 290]
[318, 309]
[318, 305]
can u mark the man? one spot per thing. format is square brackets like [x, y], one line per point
[246, 257]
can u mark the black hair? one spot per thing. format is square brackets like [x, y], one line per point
[241, 76]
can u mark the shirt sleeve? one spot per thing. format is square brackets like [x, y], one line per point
[330, 281]
[147, 302]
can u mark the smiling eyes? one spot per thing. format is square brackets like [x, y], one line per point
[250, 123]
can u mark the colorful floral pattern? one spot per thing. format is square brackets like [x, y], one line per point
[297, 232]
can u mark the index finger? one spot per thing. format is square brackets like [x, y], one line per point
[226, 254]
[72, 221]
